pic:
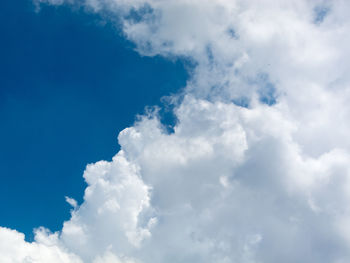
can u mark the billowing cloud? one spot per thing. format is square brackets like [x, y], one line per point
[258, 166]
[14, 249]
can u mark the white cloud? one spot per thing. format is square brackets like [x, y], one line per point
[46, 248]
[111, 258]
[72, 202]
[263, 183]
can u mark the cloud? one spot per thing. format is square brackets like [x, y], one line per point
[46, 248]
[72, 202]
[257, 168]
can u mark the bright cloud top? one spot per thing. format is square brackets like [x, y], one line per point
[257, 169]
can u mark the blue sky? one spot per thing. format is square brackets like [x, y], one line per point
[68, 86]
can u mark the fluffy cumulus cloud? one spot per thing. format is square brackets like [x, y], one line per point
[258, 166]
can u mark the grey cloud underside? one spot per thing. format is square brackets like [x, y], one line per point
[257, 169]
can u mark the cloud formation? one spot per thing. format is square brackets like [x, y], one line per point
[257, 168]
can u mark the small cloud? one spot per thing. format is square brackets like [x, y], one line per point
[72, 202]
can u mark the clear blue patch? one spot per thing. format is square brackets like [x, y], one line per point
[138, 15]
[266, 89]
[167, 117]
[242, 102]
[320, 13]
[232, 33]
[210, 55]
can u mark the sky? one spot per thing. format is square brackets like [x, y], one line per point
[246, 159]
[69, 85]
